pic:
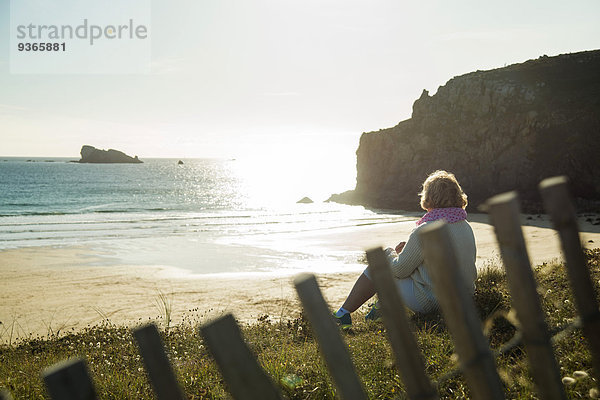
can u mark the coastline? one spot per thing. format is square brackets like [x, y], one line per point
[52, 289]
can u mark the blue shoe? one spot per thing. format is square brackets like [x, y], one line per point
[345, 321]
[374, 314]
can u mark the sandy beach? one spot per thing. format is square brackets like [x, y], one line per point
[52, 289]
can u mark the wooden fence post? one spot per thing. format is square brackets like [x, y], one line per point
[409, 361]
[459, 311]
[69, 380]
[504, 212]
[5, 395]
[162, 376]
[244, 376]
[557, 202]
[327, 333]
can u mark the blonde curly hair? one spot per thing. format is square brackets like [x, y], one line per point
[442, 190]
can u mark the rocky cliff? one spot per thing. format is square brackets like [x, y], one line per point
[90, 154]
[497, 130]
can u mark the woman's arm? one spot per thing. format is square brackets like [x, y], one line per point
[410, 258]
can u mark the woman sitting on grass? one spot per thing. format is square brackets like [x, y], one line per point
[442, 198]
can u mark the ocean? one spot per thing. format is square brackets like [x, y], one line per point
[206, 216]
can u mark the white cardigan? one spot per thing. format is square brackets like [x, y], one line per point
[410, 263]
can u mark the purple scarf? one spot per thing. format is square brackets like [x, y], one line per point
[450, 215]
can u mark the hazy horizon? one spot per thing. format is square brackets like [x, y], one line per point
[234, 79]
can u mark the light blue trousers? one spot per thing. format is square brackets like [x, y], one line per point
[407, 292]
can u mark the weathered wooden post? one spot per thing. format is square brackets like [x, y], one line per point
[459, 311]
[331, 344]
[504, 212]
[557, 201]
[244, 376]
[69, 380]
[162, 376]
[409, 360]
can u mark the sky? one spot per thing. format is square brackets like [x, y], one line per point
[251, 78]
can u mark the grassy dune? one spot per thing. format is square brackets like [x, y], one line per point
[290, 355]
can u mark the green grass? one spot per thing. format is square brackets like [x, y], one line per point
[290, 355]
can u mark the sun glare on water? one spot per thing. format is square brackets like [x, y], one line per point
[274, 179]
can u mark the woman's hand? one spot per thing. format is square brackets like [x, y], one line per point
[400, 247]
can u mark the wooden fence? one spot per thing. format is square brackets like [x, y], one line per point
[245, 378]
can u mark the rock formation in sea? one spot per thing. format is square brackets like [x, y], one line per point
[90, 154]
[498, 130]
[305, 200]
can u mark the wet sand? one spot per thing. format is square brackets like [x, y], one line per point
[47, 290]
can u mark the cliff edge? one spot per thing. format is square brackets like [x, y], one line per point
[90, 154]
[498, 130]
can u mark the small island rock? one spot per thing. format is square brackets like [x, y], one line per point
[90, 154]
[305, 200]
[179, 162]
